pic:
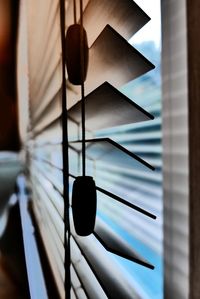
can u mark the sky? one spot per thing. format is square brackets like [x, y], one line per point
[152, 30]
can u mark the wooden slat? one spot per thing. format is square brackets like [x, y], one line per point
[107, 180]
[154, 177]
[114, 284]
[44, 201]
[76, 285]
[42, 63]
[87, 277]
[53, 235]
[49, 116]
[52, 135]
[142, 228]
[49, 186]
[125, 202]
[126, 17]
[113, 243]
[52, 155]
[43, 35]
[107, 107]
[112, 59]
[49, 251]
[50, 101]
[54, 177]
[106, 149]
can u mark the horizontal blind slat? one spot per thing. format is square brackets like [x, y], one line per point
[51, 257]
[113, 283]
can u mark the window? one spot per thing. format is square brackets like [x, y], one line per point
[89, 270]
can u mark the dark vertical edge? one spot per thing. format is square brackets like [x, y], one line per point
[193, 10]
[65, 159]
[9, 119]
[13, 255]
[14, 36]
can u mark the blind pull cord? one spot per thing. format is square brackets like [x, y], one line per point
[65, 155]
[74, 8]
[82, 65]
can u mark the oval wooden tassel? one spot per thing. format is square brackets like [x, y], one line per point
[84, 204]
[73, 54]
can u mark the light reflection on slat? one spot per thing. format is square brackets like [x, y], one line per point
[73, 296]
[124, 16]
[115, 284]
[52, 9]
[91, 283]
[50, 113]
[115, 179]
[58, 222]
[50, 63]
[36, 76]
[136, 127]
[152, 205]
[101, 167]
[55, 197]
[133, 219]
[53, 234]
[53, 175]
[115, 244]
[52, 155]
[77, 285]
